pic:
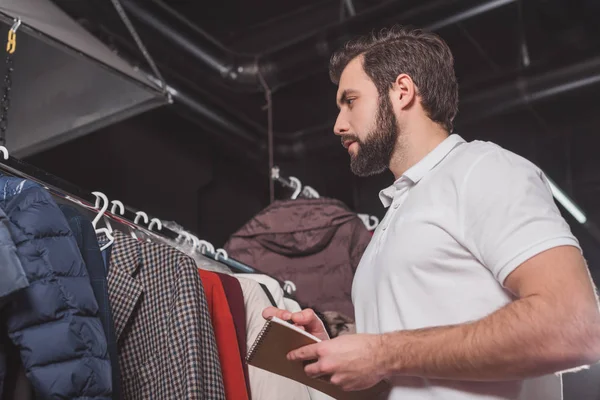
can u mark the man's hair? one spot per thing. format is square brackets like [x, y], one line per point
[424, 56]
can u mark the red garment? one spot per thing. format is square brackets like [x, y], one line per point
[225, 334]
[235, 297]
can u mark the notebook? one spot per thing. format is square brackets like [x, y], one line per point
[276, 340]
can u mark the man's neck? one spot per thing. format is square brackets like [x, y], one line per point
[414, 145]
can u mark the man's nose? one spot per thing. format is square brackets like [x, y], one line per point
[341, 126]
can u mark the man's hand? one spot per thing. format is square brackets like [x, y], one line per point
[305, 319]
[352, 362]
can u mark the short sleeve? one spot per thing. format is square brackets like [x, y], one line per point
[508, 213]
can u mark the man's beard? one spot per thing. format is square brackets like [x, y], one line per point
[374, 154]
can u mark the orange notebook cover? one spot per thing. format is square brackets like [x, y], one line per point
[276, 340]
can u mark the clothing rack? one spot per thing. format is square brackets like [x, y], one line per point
[371, 222]
[128, 216]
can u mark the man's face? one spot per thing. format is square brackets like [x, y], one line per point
[366, 122]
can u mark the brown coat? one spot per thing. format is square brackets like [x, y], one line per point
[315, 243]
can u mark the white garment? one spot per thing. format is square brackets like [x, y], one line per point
[259, 378]
[274, 288]
[265, 385]
[459, 222]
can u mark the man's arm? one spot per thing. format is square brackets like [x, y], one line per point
[554, 325]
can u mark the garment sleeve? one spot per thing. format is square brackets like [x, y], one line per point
[508, 214]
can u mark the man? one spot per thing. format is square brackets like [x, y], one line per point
[473, 286]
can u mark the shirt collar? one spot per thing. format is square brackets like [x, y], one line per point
[414, 174]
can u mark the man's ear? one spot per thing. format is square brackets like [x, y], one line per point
[403, 92]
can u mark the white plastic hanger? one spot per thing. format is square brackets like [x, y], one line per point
[115, 204]
[113, 210]
[195, 243]
[203, 246]
[289, 287]
[297, 187]
[4, 152]
[138, 215]
[371, 222]
[221, 253]
[157, 222]
[106, 231]
[308, 191]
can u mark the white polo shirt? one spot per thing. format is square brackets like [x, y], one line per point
[459, 222]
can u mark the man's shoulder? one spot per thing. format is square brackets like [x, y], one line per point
[489, 157]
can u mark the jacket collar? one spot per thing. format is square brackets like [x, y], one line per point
[415, 173]
[124, 289]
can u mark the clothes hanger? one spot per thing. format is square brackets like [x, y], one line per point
[4, 152]
[115, 204]
[310, 192]
[157, 222]
[221, 253]
[297, 187]
[113, 210]
[204, 246]
[371, 222]
[138, 215]
[106, 231]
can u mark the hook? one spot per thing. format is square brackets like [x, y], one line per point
[204, 245]
[289, 287]
[16, 25]
[195, 242]
[375, 223]
[222, 253]
[100, 195]
[183, 236]
[106, 231]
[157, 222]
[138, 215]
[188, 237]
[297, 187]
[117, 203]
[4, 152]
[310, 192]
[366, 219]
[11, 44]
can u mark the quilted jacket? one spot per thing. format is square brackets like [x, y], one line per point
[11, 270]
[315, 243]
[53, 322]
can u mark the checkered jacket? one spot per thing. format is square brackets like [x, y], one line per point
[167, 346]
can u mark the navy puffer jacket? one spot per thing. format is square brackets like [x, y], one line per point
[53, 322]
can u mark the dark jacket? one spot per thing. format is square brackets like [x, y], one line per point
[85, 235]
[53, 322]
[11, 271]
[315, 243]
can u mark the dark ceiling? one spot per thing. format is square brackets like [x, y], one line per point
[528, 72]
[219, 60]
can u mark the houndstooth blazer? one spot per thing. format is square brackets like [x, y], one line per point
[167, 346]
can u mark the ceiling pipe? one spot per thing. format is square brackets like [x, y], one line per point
[473, 108]
[307, 54]
[528, 89]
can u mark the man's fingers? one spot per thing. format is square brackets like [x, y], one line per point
[316, 370]
[304, 317]
[309, 319]
[305, 353]
[276, 312]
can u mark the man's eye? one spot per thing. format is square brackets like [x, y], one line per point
[350, 101]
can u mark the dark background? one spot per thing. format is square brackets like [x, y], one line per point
[528, 71]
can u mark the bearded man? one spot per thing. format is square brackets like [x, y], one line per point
[473, 286]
